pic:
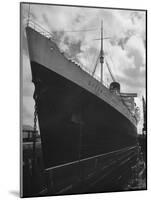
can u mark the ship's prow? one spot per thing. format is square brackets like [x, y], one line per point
[45, 52]
[83, 124]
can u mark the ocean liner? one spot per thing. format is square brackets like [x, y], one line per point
[88, 131]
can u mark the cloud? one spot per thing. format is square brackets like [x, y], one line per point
[135, 47]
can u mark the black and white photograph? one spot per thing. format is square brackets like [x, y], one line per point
[83, 99]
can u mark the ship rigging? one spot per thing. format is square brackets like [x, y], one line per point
[128, 100]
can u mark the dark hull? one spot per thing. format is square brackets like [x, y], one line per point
[87, 137]
[80, 132]
[74, 123]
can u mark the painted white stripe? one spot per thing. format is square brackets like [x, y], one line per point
[100, 155]
[31, 143]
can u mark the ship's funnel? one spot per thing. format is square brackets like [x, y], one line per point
[115, 87]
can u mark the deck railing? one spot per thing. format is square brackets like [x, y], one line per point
[45, 33]
[39, 28]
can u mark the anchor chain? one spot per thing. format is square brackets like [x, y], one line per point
[35, 127]
[34, 184]
[35, 116]
[36, 98]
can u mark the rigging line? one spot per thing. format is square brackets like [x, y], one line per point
[95, 65]
[78, 30]
[95, 55]
[113, 64]
[109, 70]
[89, 58]
[106, 77]
[93, 58]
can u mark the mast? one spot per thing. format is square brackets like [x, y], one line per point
[101, 53]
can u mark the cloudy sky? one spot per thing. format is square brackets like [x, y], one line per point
[75, 30]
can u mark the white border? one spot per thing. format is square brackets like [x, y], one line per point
[9, 97]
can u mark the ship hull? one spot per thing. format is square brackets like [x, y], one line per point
[74, 123]
[83, 136]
